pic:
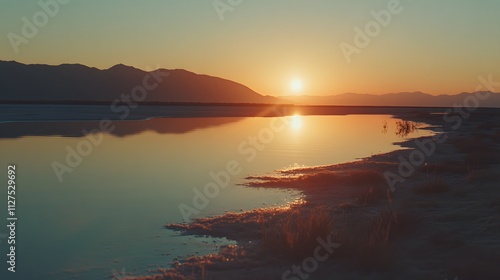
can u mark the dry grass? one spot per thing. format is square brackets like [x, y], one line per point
[321, 179]
[484, 176]
[475, 262]
[404, 128]
[348, 178]
[469, 144]
[365, 241]
[445, 240]
[366, 187]
[432, 187]
[495, 204]
[206, 267]
[480, 151]
[366, 245]
[372, 195]
[496, 136]
[459, 167]
[237, 226]
[295, 235]
[482, 158]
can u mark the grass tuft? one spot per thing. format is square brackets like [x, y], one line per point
[295, 235]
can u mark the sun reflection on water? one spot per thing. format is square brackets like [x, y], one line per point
[296, 122]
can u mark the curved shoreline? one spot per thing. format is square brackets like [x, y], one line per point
[422, 230]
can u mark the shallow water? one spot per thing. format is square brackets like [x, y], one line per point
[107, 214]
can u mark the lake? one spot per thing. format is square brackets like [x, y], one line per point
[94, 206]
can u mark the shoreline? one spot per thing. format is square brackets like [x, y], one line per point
[420, 231]
[78, 112]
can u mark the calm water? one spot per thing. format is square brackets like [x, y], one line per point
[108, 213]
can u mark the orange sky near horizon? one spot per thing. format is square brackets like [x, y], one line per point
[329, 47]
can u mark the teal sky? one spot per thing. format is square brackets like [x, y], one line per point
[431, 46]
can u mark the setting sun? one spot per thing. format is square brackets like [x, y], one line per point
[296, 85]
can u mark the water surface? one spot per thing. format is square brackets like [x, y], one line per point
[108, 214]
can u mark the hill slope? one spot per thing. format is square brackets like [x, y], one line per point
[74, 82]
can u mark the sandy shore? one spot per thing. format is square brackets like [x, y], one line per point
[437, 218]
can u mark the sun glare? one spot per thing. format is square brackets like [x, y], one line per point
[296, 122]
[296, 85]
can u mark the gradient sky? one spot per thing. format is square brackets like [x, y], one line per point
[439, 47]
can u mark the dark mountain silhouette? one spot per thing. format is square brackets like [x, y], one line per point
[411, 99]
[78, 83]
[75, 82]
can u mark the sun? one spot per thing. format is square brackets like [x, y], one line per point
[296, 85]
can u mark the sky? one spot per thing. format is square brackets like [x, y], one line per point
[279, 47]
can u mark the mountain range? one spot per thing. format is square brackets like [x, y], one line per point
[75, 82]
[78, 83]
[407, 99]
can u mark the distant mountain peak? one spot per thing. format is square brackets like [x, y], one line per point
[76, 82]
[121, 67]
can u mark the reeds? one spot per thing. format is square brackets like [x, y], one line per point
[295, 234]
